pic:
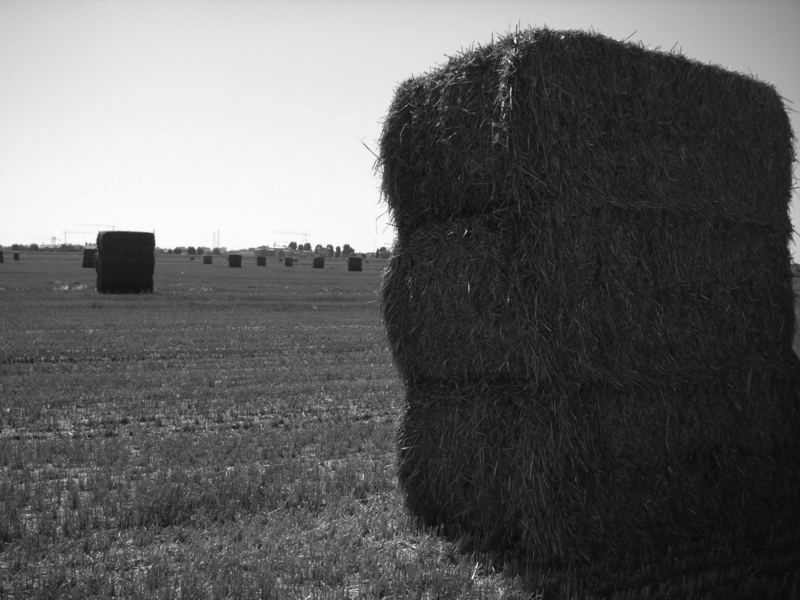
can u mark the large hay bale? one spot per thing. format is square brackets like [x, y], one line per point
[207, 260]
[355, 263]
[261, 261]
[590, 305]
[288, 261]
[1, 256]
[125, 261]
[15, 256]
[235, 260]
[88, 258]
[318, 262]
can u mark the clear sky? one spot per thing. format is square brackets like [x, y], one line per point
[251, 117]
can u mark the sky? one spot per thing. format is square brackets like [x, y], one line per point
[243, 123]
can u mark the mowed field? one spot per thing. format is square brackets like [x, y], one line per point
[231, 435]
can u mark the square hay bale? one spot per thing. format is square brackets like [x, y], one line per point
[288, 261]
[1, 256]
[207, 260]
[590, 305]
[355, 263]
[125, 261]
[261, 261]
[318, 262]
[235, 260]
[88, 258]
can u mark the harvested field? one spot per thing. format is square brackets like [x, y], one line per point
[229, 435]
[276, 397]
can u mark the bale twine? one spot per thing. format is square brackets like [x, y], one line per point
[207, 260]
[235, 260]
[288, 261]
[318, 262]
[125, 261]
[261, 261]
[354, 263]
[590, 307]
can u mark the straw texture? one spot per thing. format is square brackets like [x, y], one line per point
[590, 304]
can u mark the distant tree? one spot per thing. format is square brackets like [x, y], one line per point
[34, 247]
[216, 251]
[307, 246]
[338, 253]
[347, 250]
[383, 252]
[318, 249]
[329, 250]
[293, 246]
[191, 250]
[16, 246]
[178, 250]
[200, 250]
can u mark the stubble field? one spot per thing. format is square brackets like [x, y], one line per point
[231, 435]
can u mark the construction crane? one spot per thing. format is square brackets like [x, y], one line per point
[303, 233]
[51, 239]
[100, 226]
[75, 232]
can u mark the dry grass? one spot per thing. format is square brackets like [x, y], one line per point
[230, 435]
[590, 307]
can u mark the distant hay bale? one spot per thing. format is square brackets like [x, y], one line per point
[15, 256]
[1, 256]
[235, 260]
[354, 263]
[207, 260]
[88, 258]
[124, 261]
[318, 262]
[261, 261]
[590, 306]
[288, 261]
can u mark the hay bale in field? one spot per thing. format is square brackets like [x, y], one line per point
[15, 256]
[261, 261]
[1, 256]
[354, 263]
[88, 258]
[318, 262]
[589, 303]
[288, 261]
[207, 260]
[125, 261]
[235, 260]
